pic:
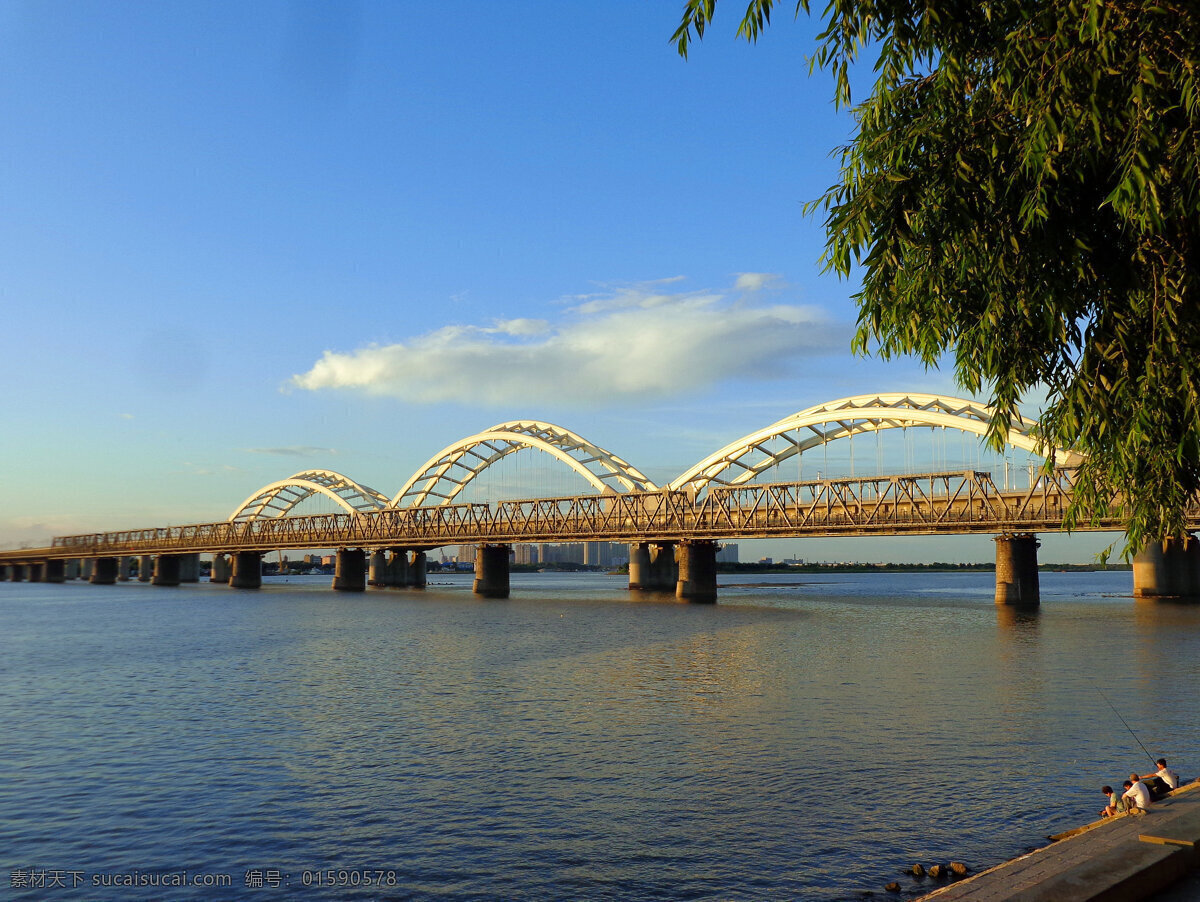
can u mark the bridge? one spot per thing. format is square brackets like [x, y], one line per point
[672, 530]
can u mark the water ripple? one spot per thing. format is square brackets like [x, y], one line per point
[799, 742]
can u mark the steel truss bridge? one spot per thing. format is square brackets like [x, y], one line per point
[720, 497]
[930, 503]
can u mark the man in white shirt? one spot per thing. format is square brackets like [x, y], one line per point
[1164, 773]
[1136, 793]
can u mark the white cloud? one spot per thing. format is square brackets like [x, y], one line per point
[294, 451]
[636, 343]
[521, 326]
[754, 281]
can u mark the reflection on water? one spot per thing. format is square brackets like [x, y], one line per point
[805, 738]
[1020, 622]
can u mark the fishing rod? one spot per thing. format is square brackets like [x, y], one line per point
[1127, 726]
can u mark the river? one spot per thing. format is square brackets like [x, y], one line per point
[808, 737]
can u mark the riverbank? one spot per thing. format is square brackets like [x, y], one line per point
[1120, 859]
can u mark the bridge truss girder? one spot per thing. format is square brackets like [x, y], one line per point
[927, 504]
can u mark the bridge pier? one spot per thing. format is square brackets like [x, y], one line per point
[377, 569]
[17, 573]
[145, 568]
[1017, 569]
[71, 571]
[166, 570]
[1168, 569]
[416, 570]
[35, 571]
[104, 571]
[639, 564]
[350, 570]
[652, 566]
[395, 570]
[697, 571]
[124, 568]
[221, 571]
[189, 567]
[55, 571]
[491, 571]
[246, 572]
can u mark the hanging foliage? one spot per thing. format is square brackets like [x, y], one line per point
[1023, 193]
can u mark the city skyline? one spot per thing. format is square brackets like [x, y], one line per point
[243, 242]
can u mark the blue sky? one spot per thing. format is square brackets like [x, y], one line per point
[242, 240]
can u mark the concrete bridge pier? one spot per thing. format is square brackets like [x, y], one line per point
[396, 568]
[697, 571]
[221, 570]
[1017, 569]
[189, 567]
[377, 569]
[104, 571]
[350, 570]
[145, 568]
[246, 572]
[664, 566]
[87, 566]
[166, 570]
[55, 571]
[1168, 569]
[17, 573]
[72, 568]
[653, 566]
[416, 570]
[124, 568]
[35, 571]
[491, 571]
[639, 564]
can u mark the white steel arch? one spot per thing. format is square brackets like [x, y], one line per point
[449, 471]
[749, 456]
[278, 498]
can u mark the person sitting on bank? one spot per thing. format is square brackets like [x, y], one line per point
[1162, 780]
[1116, 804]
[1136, 794]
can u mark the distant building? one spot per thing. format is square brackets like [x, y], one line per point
[561, 553]
[590, 554]
[525, 554]
[605, 554]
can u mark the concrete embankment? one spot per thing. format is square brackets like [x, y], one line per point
[1120, 859]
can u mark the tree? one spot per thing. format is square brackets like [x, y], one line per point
[1023, 189]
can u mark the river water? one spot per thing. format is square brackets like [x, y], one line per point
[808, 737]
